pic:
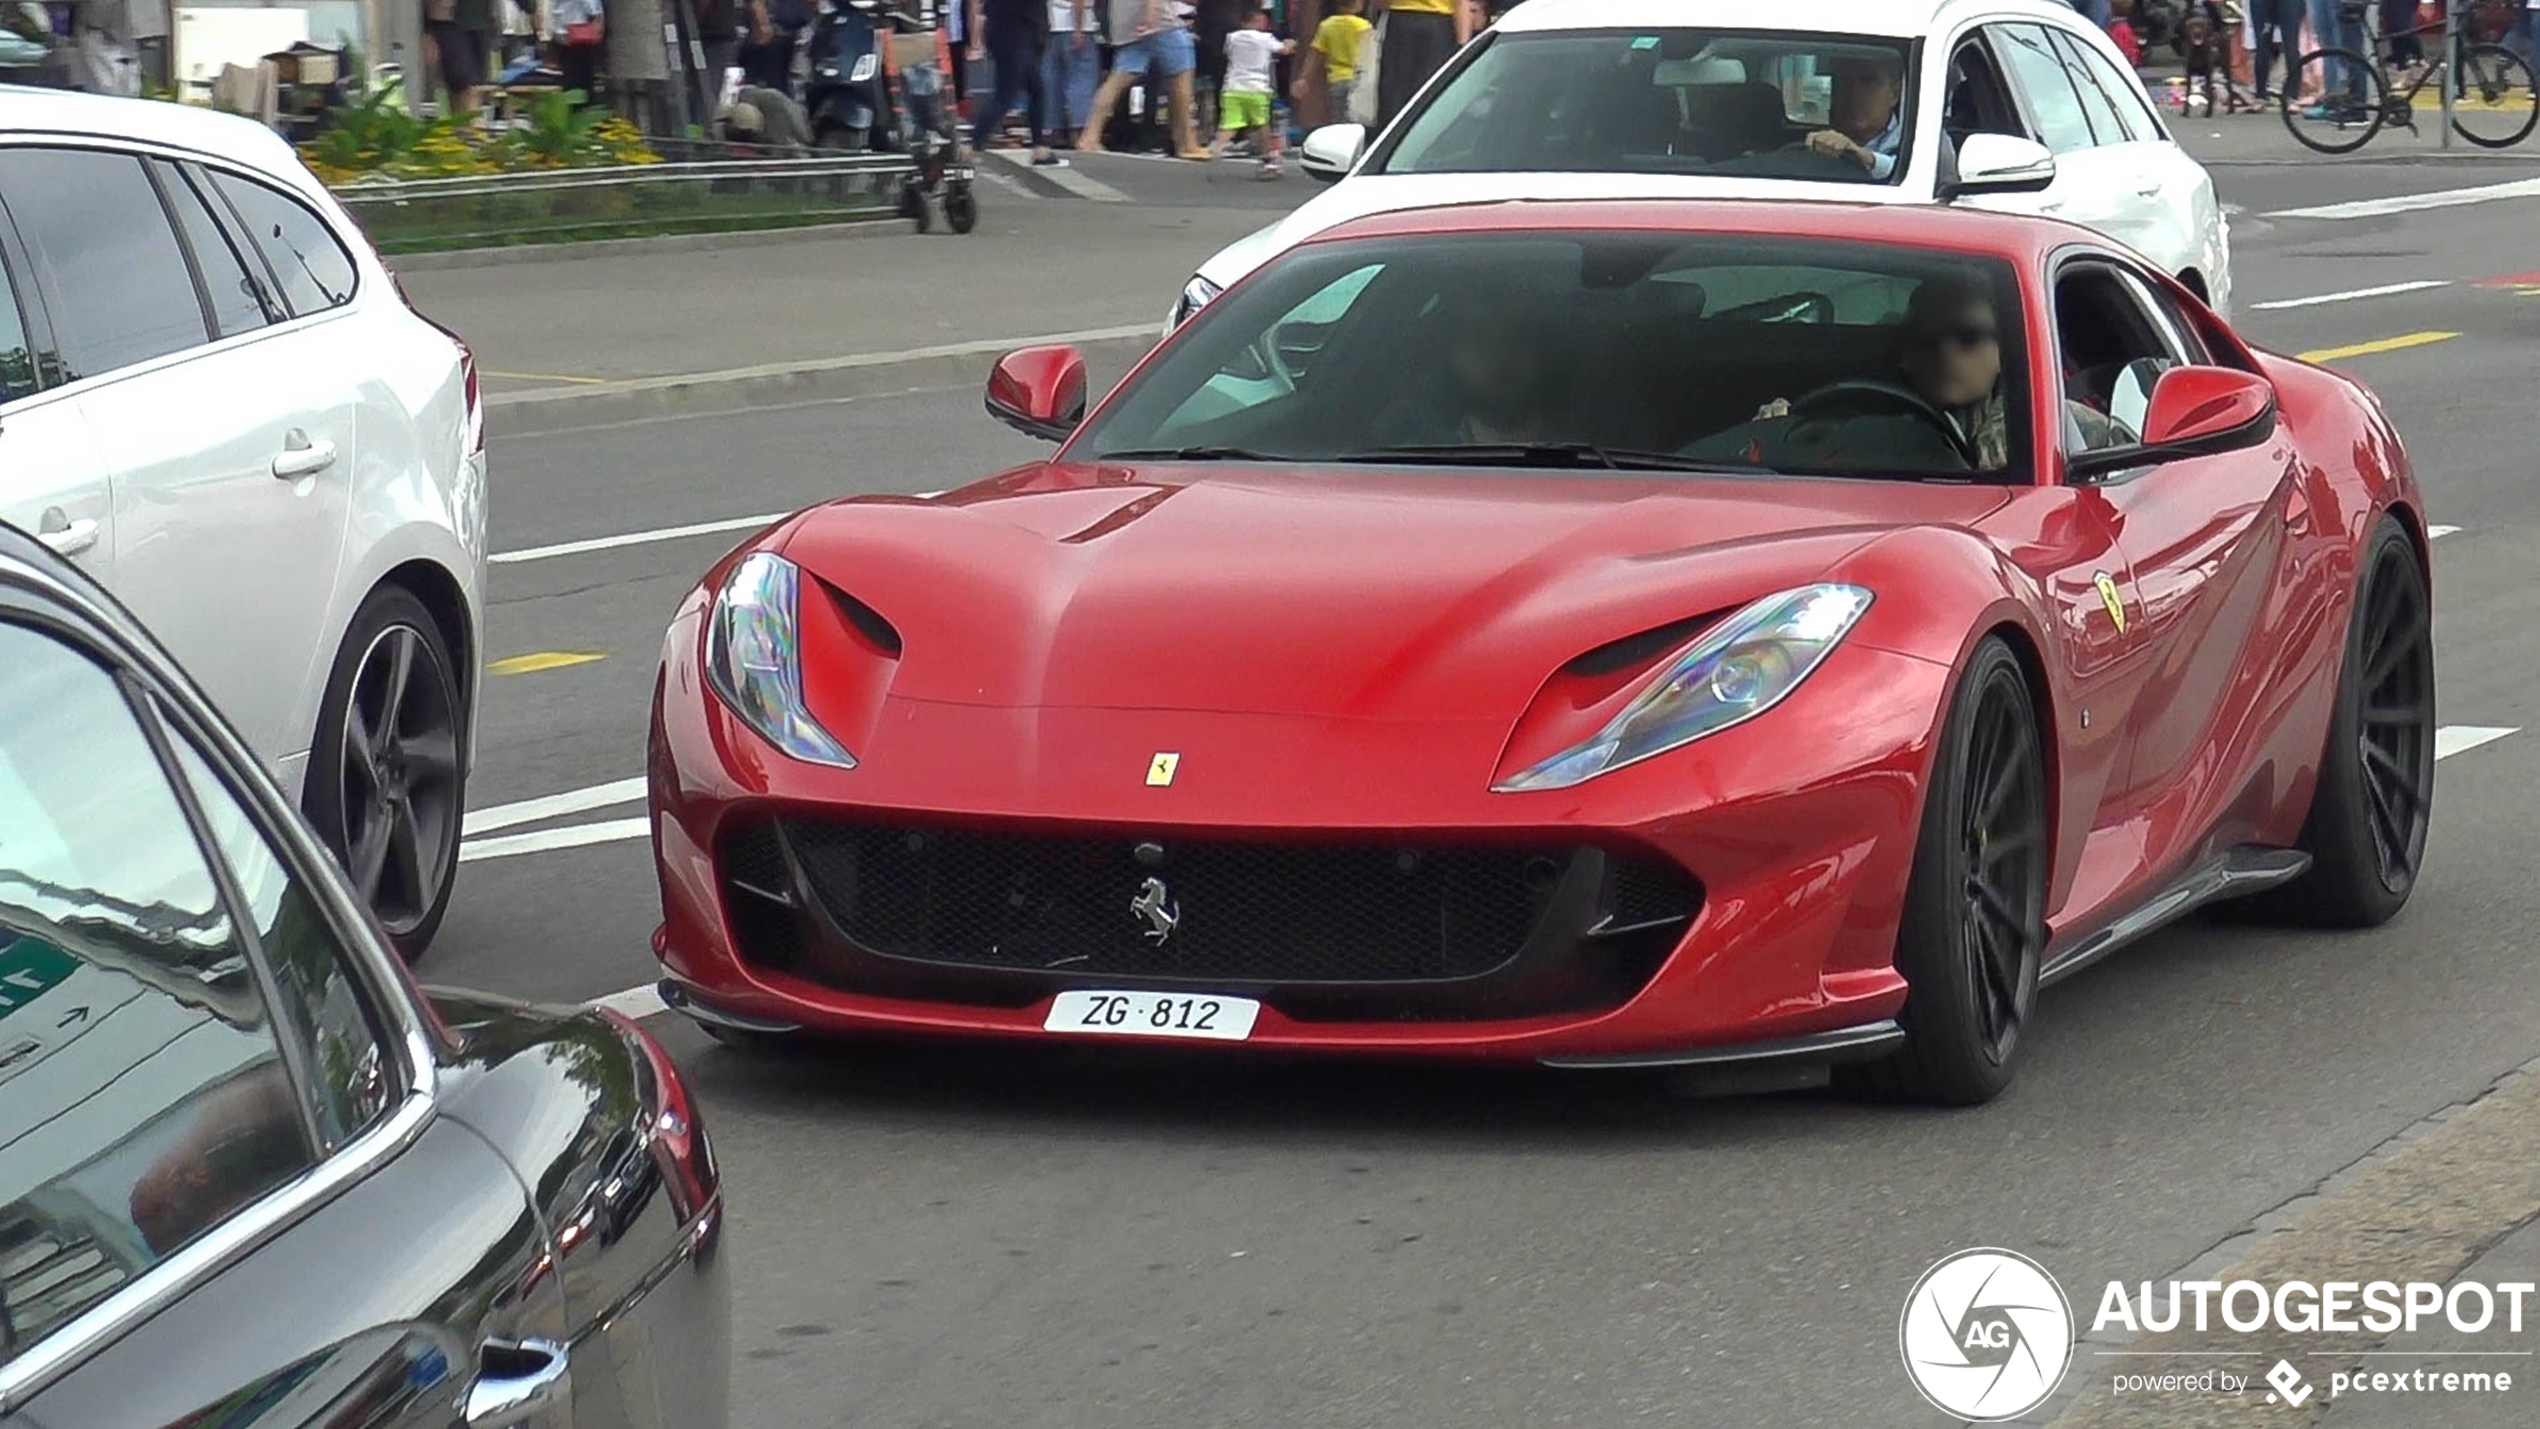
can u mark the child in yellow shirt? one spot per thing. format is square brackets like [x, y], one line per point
[1333, 63]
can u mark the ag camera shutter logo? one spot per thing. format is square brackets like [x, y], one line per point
[1986, 1335]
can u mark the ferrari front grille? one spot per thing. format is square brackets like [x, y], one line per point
[1342, 929]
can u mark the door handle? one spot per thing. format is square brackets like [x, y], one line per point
[68, 538]
[516, 1381]
[302, 457]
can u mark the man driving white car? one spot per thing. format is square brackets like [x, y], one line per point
[1868, 120]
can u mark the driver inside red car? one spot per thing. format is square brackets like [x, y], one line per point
[1951, 357]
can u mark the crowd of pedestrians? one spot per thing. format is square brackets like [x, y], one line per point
[1208, 74]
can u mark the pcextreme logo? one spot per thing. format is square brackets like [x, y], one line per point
[1986, 1335]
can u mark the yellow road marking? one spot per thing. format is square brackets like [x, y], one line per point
[543, 660]
[548, 377]
[2379, 344]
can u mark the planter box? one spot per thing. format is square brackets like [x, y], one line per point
[570, 205]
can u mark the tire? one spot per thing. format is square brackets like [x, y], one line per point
[1973, 933]
[2365, 847]
[2492, 74]
[386, 794]
[2357, 120]
[961, 210]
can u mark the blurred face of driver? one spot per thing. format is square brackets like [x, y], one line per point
[1956, 360]
[1865, 97]
[1498, 359]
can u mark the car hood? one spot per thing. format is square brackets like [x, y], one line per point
[1358, 595]
[1361, 195]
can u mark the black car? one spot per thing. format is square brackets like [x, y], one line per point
[250, 1175]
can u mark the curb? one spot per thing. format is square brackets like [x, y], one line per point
[688, 394]
[2423, 1205]
[511, 255]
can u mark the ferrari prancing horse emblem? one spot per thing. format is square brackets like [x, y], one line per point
[2107, 595]
[1160, 769]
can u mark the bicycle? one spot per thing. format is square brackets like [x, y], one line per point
[2495, 104]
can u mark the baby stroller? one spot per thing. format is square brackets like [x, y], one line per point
[930, 133]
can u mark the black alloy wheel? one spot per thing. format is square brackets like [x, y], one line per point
[2395, 743]
[386, 776]
[2375, 796]
[1973, 935]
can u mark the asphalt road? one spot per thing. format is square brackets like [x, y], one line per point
[955, 1237]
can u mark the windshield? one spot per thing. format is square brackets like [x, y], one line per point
[1595, 349]
[1828, 108]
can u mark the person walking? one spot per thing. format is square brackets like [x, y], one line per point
[1420, 37]
[2329, 27]
[2275, 24]
[1252, 60]
[1071, 65]
[1331, 64]
[1011, 34]
[1149, 39]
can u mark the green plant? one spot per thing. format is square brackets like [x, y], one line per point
[370, 134]
[561, 131]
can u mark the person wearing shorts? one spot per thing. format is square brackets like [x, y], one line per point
[1151, 40]
[1252, 60]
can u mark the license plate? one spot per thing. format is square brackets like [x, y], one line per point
[962, 172]
[1153, 1014]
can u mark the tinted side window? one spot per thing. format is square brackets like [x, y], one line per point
[232, 282]
[313, 268]
[17, 353]
[2123, 91]
[2053, 105]
[119, 290]
[2105, 120]
[322, 1000]
[146, 1099]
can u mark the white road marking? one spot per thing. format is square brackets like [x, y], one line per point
[645, 538]
[2454, 739]
[1065, 175]
[2385, 290]
[636, 538]
[554, 806]
[2437, 533]
[636, 1002]
[542, 840]
[2416, 203]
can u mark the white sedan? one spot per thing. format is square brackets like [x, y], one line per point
[2019, 105]
[213, 400]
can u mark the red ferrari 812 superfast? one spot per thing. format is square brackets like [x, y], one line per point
[1603, 635]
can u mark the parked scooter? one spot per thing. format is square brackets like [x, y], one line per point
[846, 93]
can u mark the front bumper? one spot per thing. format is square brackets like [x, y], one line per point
[1797, 828]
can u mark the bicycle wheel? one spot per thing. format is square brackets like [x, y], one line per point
[2342, 122]
[2493, 99]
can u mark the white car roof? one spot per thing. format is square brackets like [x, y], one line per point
[59, 112]
[1900, 19]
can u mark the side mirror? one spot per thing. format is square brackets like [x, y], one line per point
[1997, 164]
[1039, 391]
[1332, 151]
[2194, 411]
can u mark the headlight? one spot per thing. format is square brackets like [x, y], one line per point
[864, 67]
[1736, 671]
[754, 661]
[1196, 294]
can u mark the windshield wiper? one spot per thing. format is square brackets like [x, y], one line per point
[1542, 454]
[1189, 454]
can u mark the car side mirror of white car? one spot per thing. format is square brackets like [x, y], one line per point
[1333, 150]
[1994, 164]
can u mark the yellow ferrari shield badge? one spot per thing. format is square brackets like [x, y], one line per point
[1160, 769]
[2107, 595]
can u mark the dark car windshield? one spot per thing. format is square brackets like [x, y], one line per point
[1668, 101]
[1651, 350]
